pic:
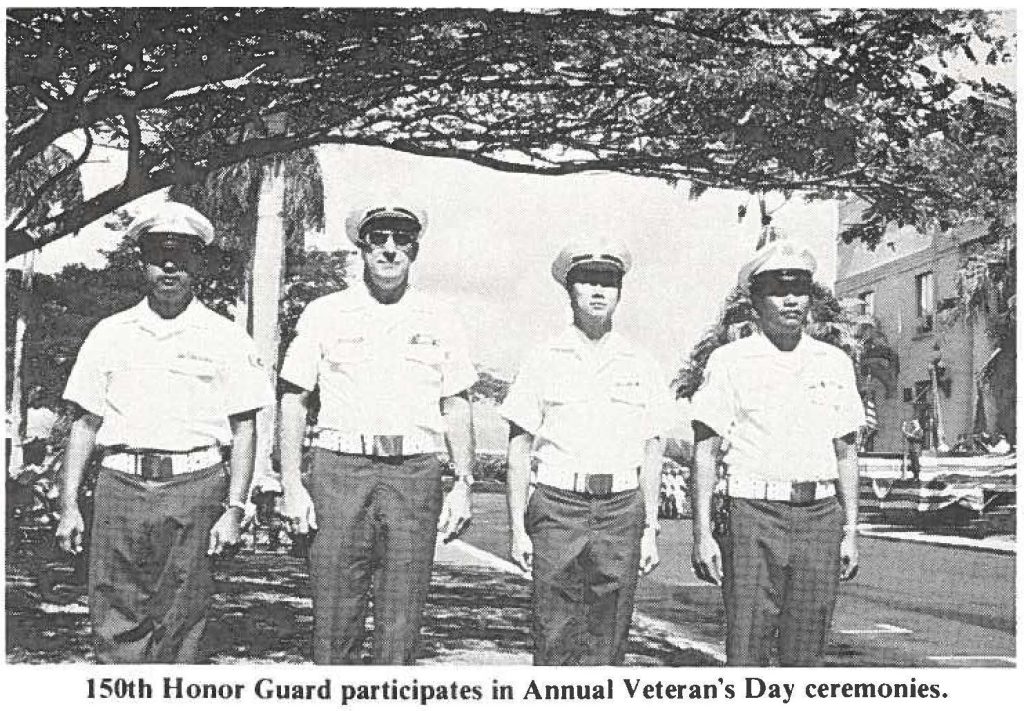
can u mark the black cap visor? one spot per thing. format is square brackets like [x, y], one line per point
[780, 282]
[602, 273]
[161, 247]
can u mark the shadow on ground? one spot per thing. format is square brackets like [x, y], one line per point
[262, 615]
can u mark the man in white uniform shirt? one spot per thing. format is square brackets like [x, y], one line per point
[393, 371]
[781, 411]
[161, 388]
[591, 406]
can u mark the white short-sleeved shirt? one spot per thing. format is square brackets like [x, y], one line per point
[382, 368]
[591, 407]
[779, 411]
[167, 384]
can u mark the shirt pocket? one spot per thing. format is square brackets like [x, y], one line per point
[829, 400]
[130, 386]
[192, 378]
[342, 354]
[628, 396]
[754, 392]
[824, 392]
[560, 394]
[424, 361]
[192, 369]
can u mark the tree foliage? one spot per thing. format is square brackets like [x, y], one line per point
[53, 172]
[72, 301]
[829, 102]
[313, 274]
[826, 322]
[230, 198]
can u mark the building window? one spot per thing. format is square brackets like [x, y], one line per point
[868, 299]
[925, 285]
[925, 294]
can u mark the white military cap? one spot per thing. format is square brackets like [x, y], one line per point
[172, 218]
[782, 254]
[609, 253]
[359, 218]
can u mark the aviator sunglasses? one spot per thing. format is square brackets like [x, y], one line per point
[378, 238]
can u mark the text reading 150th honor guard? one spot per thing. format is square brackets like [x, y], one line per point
[179, 688]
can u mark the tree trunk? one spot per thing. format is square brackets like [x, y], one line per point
[18, 405]
[267, 273]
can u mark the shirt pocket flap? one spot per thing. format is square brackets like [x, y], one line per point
[191, 367]
[627, 392]
[561, 393]
[425, 353]
[345, 350]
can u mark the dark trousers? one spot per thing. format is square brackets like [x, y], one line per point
[377, 520]
[781, 566]
[586, 554]
[150, 579]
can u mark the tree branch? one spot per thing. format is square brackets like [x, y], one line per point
[52, 182]
[134, 172]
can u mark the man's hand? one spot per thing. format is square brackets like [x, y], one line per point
[296, 508]
[849, 557]
[225, 534]
[649, 551]
[707, 560]
[521, 550]
[70, 531]
[457, 511]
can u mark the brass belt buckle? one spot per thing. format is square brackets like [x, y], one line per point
[155, 467]
[599, 484]
[387, 445]
[803, 492]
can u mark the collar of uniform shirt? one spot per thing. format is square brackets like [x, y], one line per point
[193, 315]
[573, 338]
[766, 346]
[361, 296]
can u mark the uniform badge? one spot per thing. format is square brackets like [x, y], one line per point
[186, 355]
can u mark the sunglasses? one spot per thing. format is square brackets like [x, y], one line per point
[781, 287]
[596, 277]
[403, 239]
[160, 254]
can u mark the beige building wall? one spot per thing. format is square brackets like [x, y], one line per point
[890, 272]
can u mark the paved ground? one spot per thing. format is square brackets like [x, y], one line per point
[476, 614]
[913, 603]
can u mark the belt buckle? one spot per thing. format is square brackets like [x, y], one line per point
[155, 467]
[804, 492]
[598, 484]
[387, 446]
